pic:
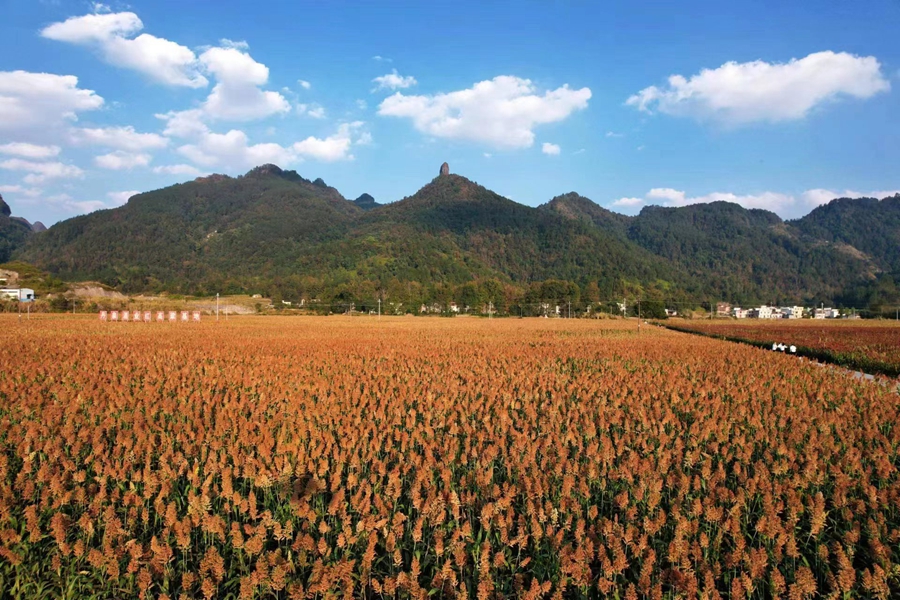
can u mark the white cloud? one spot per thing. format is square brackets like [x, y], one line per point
[240, 45]
[233, 150]
[501, 112]
[184, 123]
[121, 138]
[304, 84]
[18, 189]
[120, 198]
[675, 197]
[488, 155]
[64, 202]
[311, 110]
[628, 202]
[382, 59]
[786, 205]
[333, 148]
[158, 58]
[85, 206]
[41, 100]
[177, 170]
[579, 151]
[29, 150]
[394, 81]
[613, 134]
[816, 197]
[773, 201]
[40, 172]
[69, 204]
[551, 149]
[740, 93]
[236, 95]
[362, 104]
[119, 160]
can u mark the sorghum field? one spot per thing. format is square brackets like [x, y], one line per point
[870, 346]
[274, 457]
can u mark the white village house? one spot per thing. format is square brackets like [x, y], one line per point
[763, 312]
[792, 312]
[17, 294]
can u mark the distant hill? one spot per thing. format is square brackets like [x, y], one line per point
[577, 207]
[754, 255]
[275, 232]
[13, 231]
[198, 236]
[522, 243]
[868, 225]
[729, 252]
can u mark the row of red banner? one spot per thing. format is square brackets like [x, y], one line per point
[146, 316]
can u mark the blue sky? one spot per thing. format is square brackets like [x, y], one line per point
[779, 105]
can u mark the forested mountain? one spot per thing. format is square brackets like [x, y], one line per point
[576, 207]
[754, 255]
[522, 243]
[13, 231]
[275, 232]
[727, 251]
[869, 225]
[198, 236]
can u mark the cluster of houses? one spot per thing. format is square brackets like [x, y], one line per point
[724, 309]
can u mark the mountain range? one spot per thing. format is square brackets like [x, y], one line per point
[275, 232]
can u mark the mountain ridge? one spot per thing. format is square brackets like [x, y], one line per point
[274, 230]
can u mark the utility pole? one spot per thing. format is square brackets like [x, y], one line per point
[379, 308]
[217, 306]
[570, 309]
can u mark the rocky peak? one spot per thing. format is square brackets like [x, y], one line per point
[266, 169]
[38, 227]
[445, 169]
[214, 178]
[365, 202]
[4, 208]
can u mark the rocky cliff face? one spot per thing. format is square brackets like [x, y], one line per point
[445, 169]
[4, 208]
